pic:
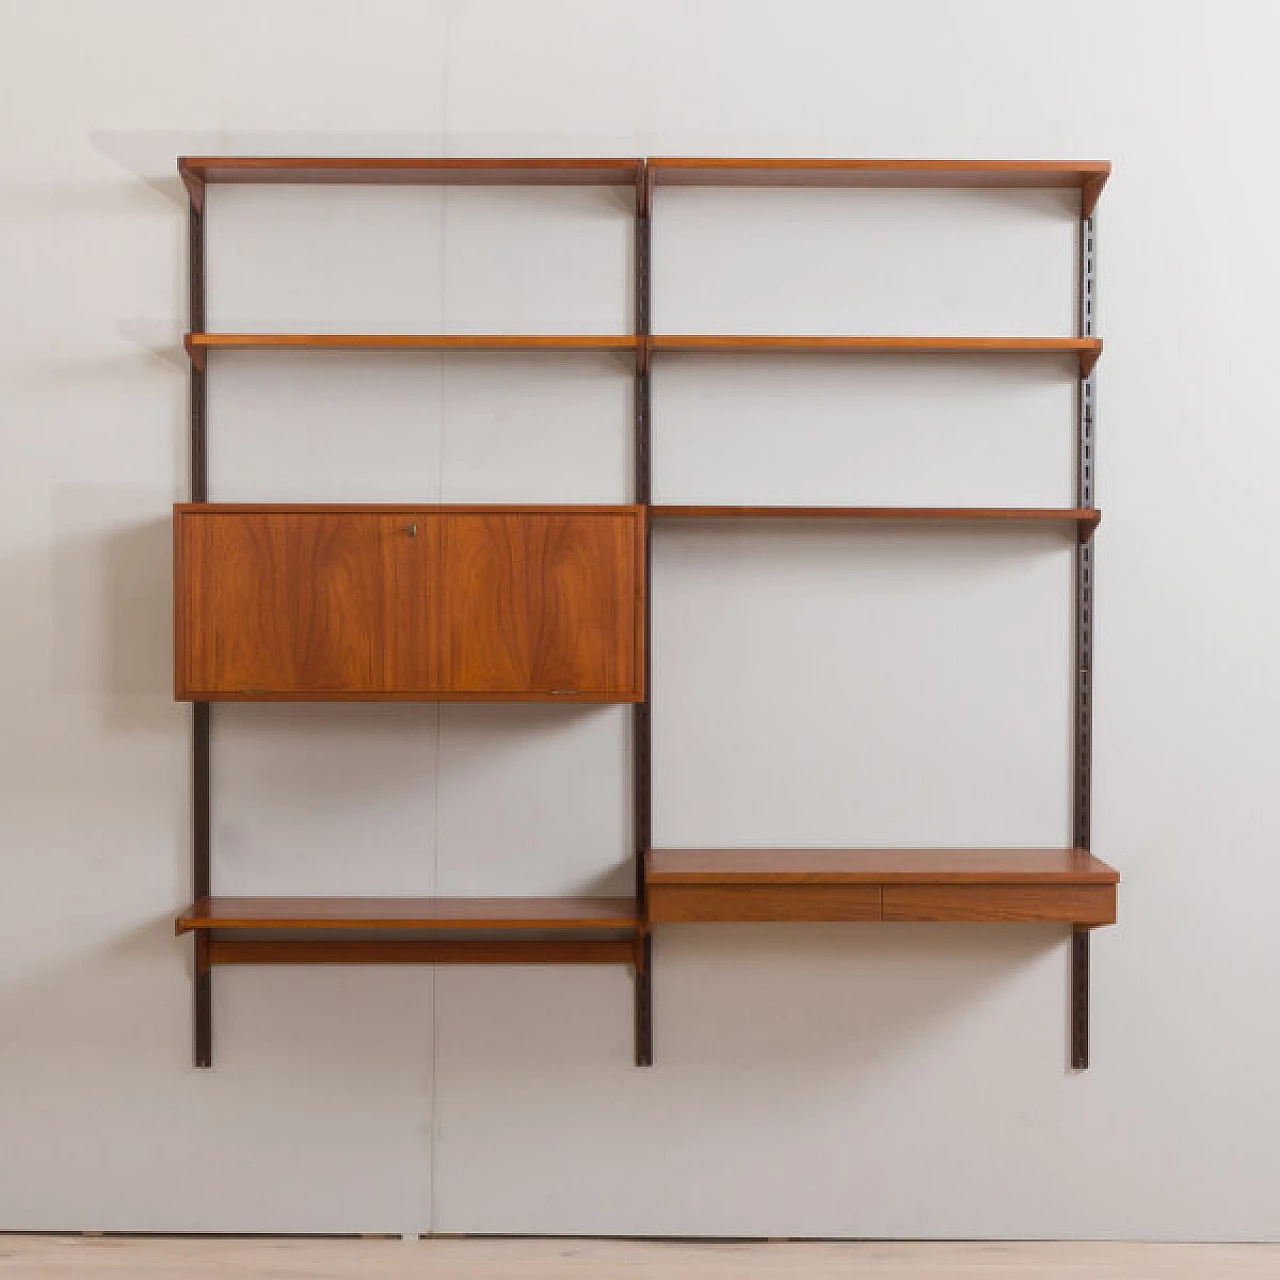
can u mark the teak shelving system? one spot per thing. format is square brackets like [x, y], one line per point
[230, 558]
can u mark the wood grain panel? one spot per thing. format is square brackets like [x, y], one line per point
[877, 866]
[760, 903]
[409, 913]
[726, 171]
[1001, 904]
[1067, 886]
[412, 170]
[1086, 350]
[543, 603]
[198, 344]
[418, 951]
[315, 604]
[343, 602]
[1085, 519]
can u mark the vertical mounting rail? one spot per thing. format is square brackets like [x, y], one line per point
[1082, 734]
[641, 723]
[202, 1011]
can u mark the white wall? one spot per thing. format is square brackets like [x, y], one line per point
[811, 686]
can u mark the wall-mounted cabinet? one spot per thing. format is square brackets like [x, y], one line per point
[522, 604]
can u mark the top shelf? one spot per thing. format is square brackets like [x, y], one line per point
[1086, 176]
[406, 171]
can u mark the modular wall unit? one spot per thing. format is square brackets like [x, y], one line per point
[284, 602]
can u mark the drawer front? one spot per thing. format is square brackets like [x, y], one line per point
[1011, 904]
[763, 903]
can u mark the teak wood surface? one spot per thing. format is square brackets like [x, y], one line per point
[419, 951]
[1066, 886]
[198, 344]
[878, 866]
[409, 913]
[195, 171]
[1086, 350]
[546, 603]
[334, 602]
[1089, 176]
[1086, 519]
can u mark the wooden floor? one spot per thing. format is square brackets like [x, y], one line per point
[154, 1258]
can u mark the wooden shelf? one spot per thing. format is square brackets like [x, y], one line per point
[1064, 886]
[1086, 519]
[1086, 350]
[568, 930]
[195, 171]
[409, 913]
[197, 344]
[1088, 176]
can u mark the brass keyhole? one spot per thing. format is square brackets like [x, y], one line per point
[411, 530]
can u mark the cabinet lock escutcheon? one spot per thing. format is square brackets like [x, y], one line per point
[411, 530]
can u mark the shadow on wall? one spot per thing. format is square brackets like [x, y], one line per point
[112, 602]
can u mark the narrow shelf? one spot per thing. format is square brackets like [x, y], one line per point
[1086, 519]
[197, 344]
[409, 508]
[1086, 350]
[1064, 886]
[568, 930]
[195, 171]
[1088, 176]
[410, 913]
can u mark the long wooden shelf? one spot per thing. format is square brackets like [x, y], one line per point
[409, 913]
[1088, 176]
[1064, 886]
[1086, 519]
[1086, 350]
[197, 344]
[568, 930]
[196, 171]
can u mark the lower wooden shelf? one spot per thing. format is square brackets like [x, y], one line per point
[1063, 886]
[568, 930]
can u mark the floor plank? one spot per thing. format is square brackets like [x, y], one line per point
[150, 1258]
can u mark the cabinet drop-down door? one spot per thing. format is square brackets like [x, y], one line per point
[404, 603]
